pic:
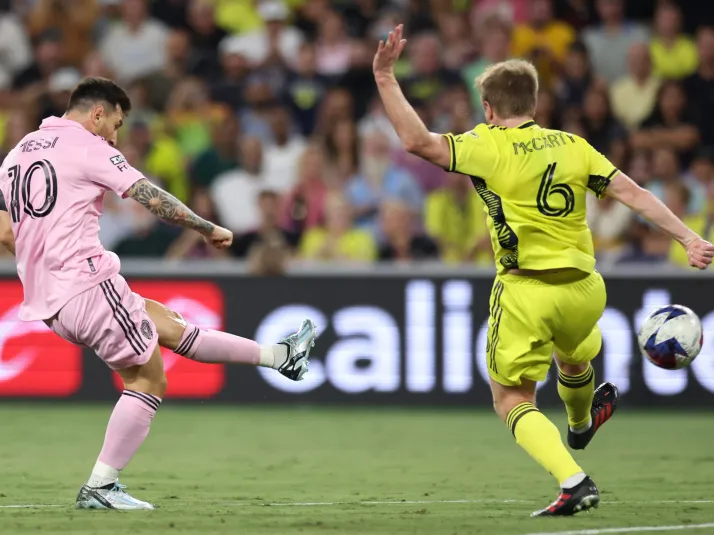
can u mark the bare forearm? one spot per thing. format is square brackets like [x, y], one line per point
[167, 207]
[10, 246]
[7, 238]
[407, 123]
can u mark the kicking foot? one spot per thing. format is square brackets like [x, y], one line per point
[581, 497]
[111, 496]
[299, 346]
[603, 407]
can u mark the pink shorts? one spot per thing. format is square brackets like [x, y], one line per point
[111, 320]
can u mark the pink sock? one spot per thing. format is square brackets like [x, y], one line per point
[205, 345]
[128, 427]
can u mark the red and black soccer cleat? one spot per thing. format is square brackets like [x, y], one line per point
[581, 497]
[603, 407]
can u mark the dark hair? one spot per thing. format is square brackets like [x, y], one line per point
[578, 47]
[96, 90]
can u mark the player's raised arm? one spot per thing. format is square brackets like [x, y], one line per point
[622, 188]
[168, 208]
[413, 133]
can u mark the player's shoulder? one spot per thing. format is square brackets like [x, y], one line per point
[480, 132]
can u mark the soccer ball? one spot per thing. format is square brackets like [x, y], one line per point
[671, 337]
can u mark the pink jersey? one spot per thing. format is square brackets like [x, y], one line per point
[53, 184]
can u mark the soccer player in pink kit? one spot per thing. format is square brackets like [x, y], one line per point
[51, 190]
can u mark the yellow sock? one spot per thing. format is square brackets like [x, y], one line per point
[541, 439]
[576, 391]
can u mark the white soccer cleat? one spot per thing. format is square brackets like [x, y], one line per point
[299, 346]
[111, 496]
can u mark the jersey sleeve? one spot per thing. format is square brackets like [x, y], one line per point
[472, 153]
[601, 171]
[107, 167]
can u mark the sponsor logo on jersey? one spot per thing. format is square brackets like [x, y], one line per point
[120, 162]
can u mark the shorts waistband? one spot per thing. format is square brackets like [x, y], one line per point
[565, 276]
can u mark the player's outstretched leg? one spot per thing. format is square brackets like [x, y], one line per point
[144, 387]
[290, 356]
[588, 409]
[541, 439]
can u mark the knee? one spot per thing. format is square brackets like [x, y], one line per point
[155, 385]
[572, 369]
[502, 407]
[161, 385]
[506, 400]
[172, 332]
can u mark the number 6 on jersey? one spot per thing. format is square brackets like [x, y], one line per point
[547, 189]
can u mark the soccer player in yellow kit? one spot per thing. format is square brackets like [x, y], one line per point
[547, 297]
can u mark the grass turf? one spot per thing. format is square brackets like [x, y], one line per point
[213, 470]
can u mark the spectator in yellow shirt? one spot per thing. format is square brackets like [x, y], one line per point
[674, 55]
[634, 96]
[337, 240]
[162, 158]
[544, 41]
[677, 198]
[455, 219]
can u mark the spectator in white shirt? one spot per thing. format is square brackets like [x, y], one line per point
[136, 46]
[609, 42]
[276, 42]
[15, 51]
[235, 193]
[283, 155]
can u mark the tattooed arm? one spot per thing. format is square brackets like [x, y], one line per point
[169, 209]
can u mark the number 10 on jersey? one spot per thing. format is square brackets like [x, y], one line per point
[21, 187]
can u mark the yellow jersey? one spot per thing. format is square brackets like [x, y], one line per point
[533, 182]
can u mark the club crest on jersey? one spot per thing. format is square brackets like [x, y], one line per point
[119, 161]
[146, 329]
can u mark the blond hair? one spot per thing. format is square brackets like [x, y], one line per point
[510, 87]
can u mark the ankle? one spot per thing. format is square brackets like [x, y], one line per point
[102, 475]
[583, 428]
[573, 481]
[273, 355]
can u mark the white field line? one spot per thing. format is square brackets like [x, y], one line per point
[435, 502]
[30, 506]
[387, 502]
[633, 529]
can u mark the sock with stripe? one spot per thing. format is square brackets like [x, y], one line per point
[127, 429]
[205, 345]
[541, 439]
[577, 392]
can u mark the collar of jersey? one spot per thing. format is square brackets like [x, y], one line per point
[527, 124]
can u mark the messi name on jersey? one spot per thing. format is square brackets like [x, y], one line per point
[550, 141]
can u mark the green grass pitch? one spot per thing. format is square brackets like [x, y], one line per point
[217, 469]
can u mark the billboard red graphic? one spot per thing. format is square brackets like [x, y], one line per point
[34, 361]
[200, 303]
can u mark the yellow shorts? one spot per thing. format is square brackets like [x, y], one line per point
[533, 316]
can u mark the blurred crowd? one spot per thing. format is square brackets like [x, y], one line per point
[263, 114]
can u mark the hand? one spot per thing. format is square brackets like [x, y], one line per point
[699, 252]
[388, 53]
[220, 238]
